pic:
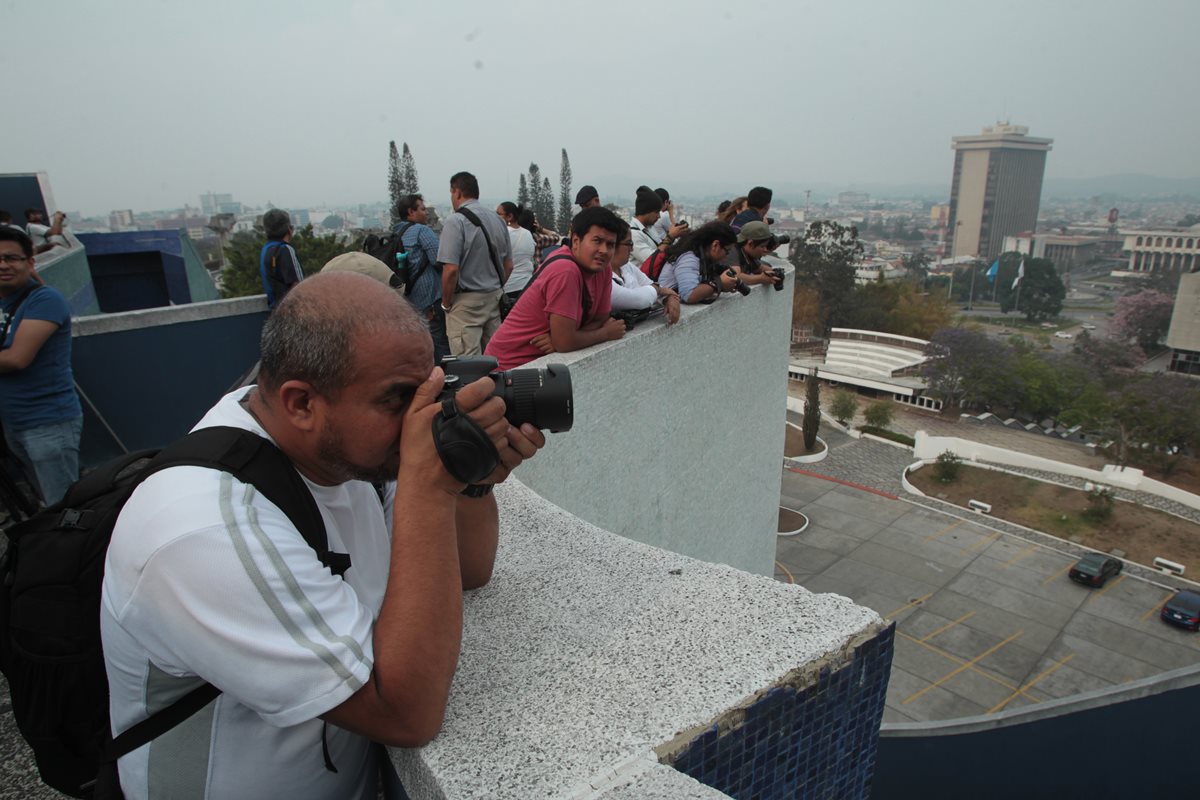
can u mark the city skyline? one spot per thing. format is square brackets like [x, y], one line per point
[201, 99]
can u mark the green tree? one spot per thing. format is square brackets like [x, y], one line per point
[1188, 221]
[947, 467]
[967, 367]
[843, 406]
[916, 267]
[812, 411]
[564, 194]
[522, 192]
[332, 223]
[547, 198]
[241, 278]
[1040, 293]
[825, 258]
[879, 414]
[409, 184]
[541, 197]
[395, 190]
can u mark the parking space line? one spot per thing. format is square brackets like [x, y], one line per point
[1030, 685]
[1106, 587]
[980, 671]
[907, 606]
[944, 530]
[786, 571]
[1157, 606]
[982, 542]
[1060, 573]
[948, 626]
[961, 668]
[1023, 554]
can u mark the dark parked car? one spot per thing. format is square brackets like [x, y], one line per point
[1095, 569]
[1183, 610]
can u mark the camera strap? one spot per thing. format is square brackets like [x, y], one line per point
[467, 452]
[495, 258]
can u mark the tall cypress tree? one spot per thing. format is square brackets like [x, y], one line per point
[408, 173]
[395, 189]
[812, 412]
[564, 194]
[523, 192]
[548, 203]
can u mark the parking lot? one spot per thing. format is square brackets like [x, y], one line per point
[985, 621]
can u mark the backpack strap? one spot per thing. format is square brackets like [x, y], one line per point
[587, 297]
[251, 459]
[469, 214]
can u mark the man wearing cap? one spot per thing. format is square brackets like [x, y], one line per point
[278, 265]
[586, 197]
[647, 237]
[754, 241]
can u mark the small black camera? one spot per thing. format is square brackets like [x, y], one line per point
[778, 278]
[779, 239]
[739, 285]
[541, 397]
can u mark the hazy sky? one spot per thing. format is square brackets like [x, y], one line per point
[141, 104]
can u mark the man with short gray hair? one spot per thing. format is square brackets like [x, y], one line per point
[278, 265]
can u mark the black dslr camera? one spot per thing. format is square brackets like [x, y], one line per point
[739, 285]
[778, 278]
[541, 397]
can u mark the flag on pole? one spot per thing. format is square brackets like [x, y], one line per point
[991, 273]
[1020, 274]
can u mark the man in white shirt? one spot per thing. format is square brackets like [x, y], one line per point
[647, 208]
[206, 581]
[632, 289]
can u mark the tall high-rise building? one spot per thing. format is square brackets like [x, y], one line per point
[997, 188]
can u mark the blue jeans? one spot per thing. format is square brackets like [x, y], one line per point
[51, 455]
[437, 329]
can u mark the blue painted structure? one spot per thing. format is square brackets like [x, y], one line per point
[153, 383]
[145, 269]
[1140, 747]
[808, 741]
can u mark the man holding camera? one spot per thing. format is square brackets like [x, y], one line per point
[207, 581]
[647, 209]
[694, 268]
[566, 304]
[754, 241]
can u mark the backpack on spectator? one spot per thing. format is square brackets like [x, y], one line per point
[50, 595]
[389, 248]
[652, 267]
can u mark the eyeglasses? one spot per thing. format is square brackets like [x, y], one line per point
[12, 258]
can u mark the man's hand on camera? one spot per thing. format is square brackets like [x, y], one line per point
[729, 281]
[522, 443]
[671, 304]
[419, 459]
[675, 231]
[614, 329]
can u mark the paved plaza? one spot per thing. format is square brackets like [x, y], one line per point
[986, 620]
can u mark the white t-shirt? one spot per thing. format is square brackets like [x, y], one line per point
[523, 248]
[207, 580]
[634, 291]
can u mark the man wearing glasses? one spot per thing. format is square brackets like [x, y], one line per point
[38, 406]
[566, 304]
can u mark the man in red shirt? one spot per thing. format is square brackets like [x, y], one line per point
[566, 304]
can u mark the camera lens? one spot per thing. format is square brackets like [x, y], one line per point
[541, 397]
[742, 288]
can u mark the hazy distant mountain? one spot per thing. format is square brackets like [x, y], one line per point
[1131, 186]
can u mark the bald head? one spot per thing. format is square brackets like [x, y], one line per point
[310, 335]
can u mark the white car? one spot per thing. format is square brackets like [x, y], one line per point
[1063, 335]
[1087, 326]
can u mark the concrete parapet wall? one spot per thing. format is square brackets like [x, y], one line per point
[597, 667]
[677, 439]
[930, 447]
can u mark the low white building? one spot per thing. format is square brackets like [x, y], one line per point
[1174, 249]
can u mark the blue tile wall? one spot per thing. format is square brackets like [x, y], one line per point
[815, 741]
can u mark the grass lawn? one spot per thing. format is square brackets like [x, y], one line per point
[1141, 532]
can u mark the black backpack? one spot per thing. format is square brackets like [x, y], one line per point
[389, 248]
[50, 579]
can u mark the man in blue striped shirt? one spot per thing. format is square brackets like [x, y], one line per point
[421, 244]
